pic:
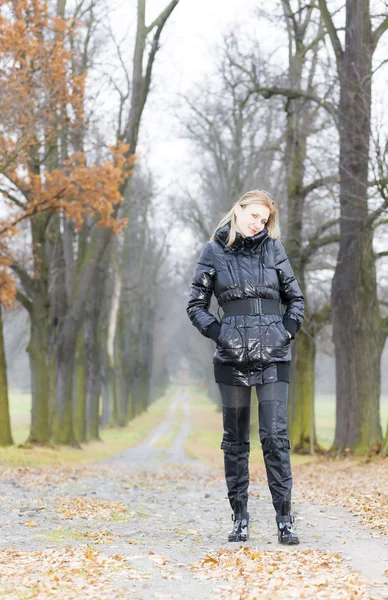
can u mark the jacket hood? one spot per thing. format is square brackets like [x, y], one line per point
[252, 242]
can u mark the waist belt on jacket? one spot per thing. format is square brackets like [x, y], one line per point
[251, 306]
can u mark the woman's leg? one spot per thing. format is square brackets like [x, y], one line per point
[236, 407]
[273, 434]
[276, 452]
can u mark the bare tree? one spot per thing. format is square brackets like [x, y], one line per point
[359, 330]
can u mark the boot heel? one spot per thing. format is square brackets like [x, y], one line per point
[286, 534]
[240, 531]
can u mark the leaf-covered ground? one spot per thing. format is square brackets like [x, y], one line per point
[360, 485]
[152, 523]
[275, 575]
[60, 573]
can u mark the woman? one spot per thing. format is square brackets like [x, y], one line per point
[245, 265]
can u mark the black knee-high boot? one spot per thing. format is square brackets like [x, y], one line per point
[278, 467]
[276, 453]
[235, 444]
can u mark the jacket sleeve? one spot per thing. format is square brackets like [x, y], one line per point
[202, 288]
[290, 292]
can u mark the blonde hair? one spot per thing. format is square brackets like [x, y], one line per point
[261, 197]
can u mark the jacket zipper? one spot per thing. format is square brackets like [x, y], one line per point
[261, 270]
[231, 273]
[244, 318]
[261, 282]
[239, 276]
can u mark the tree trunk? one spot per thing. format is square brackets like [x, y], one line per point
[140, 352]
[301, 426]
[37, 350]
[384, 448]
[64, 359]
[140, 388]
[120, 370]
[37, 347]
[93, 379]
[79, 390]
[106, 404]
[356, 316]
[108, 391]
[108, 326]
[301, 390]
[5, 420]
[63, 430]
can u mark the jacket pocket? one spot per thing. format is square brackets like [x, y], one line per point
[277, 340]
[285, 332]
[230, 337]
[219, 339]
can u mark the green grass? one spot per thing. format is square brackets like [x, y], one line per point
[20, 407]
[325, 418]
[59, 536]
[20, 411]
[114, 440]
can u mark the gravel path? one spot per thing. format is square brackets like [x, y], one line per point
[177, 513]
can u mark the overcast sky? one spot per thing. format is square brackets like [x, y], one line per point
[187, 54]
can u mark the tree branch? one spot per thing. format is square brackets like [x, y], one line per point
[314, 42]
[322, 316]
[267, 92]
[291, 16]
[319, 243]
[24, 301]
[321, 266]
[384, 325]
[322, 181]
[159, 23]
[379, 31]
[12, 198]
[376, 213]
[162, 18]
[324, 227]
[335, 41]
[25, 279]
[379, 223]
[315, 241]
[380, 254]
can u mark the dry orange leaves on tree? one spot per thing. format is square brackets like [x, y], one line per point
[43, 165]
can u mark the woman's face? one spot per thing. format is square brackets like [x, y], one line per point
[251, 218]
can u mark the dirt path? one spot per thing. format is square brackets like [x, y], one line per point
[147, 454]
[161, 512]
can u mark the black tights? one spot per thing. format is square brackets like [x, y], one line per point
[236, 408]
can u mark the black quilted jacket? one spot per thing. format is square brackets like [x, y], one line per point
[255, 348]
